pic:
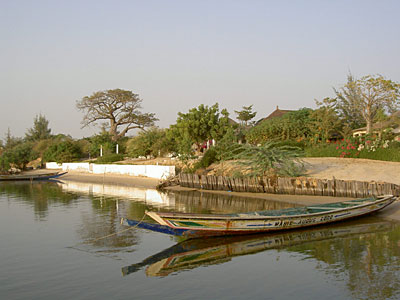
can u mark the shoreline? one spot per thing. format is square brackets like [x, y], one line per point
[392, 212]
[112, 179]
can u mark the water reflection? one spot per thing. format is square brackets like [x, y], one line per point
[149, 196]
[185, 201]
[199, 252]
[369, 262]
[365, 253]
[108, 203]
[39, 194]
[205, 202]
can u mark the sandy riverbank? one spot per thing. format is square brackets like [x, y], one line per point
[325, 168]
[353, 169]
[113, 179]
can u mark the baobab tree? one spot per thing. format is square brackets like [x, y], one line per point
[119, 107]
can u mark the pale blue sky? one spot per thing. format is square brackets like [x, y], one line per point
[179, 54]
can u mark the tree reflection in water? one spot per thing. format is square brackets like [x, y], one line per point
[369, 263]
[364, 253]
[39, 194]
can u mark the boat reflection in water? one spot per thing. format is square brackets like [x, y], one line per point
[194, 253]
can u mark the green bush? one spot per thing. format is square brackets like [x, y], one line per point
[321, 151]
[153, 142]
[388, 154]
[210, 156]
[64, 151]
[4, 163]
[19, 155]
[291, 143]
[357, 148]
[293, 125]
[109, 158]
[98, 141]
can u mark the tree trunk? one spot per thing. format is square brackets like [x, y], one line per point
[113, 131]
[369, 126]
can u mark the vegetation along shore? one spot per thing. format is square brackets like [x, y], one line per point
[344, 137]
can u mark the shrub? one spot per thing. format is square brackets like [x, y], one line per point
[18, 155]
[269, 158]
[292, 125]
[321, 150]
[109, 158]
[365, 147]
[153, 142]
[102, 140]
[388, 154]
[210, 156]
[64, 151]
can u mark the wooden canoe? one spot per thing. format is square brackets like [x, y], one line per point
[197, 225]
[31, 177]
[193, 253]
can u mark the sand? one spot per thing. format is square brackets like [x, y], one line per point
[353, 169]
[113, 179]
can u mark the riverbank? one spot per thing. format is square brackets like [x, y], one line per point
[113, 179]
[392, 212]
[324, 168]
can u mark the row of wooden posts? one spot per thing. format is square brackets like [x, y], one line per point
[290, 185]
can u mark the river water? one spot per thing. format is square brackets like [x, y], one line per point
[52, 248]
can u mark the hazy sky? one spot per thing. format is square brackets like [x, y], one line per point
[179, 54]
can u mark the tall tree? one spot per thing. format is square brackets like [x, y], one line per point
[119, 107]
[367, 96]
[40, 129]
[201, 124]
[10, 140]
[324, 122]
[345, 104]
[246, 114]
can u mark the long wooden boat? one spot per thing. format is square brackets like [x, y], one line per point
[31, 177]
[198, 225]
[193, 253]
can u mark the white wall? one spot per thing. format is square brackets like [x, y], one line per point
[152, 171]
[53, 165]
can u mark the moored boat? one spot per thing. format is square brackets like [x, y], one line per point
[198, 225]
[193, 253]
[44, 176]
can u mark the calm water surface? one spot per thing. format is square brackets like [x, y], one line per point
[50, 249]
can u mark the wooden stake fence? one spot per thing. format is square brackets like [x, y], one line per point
[290, 185]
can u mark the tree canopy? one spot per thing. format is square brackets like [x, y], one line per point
[201, 124]
[40, 129]
[121, 108]
[292, 125]
[246, 114]
[366, 98]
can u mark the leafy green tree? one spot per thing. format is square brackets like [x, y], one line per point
[292, 125]
[245, 115]
[63, 151]
[40, 129]
[119, 107]
[18, 156]
[153, 142]
[102, 140]
[366, 97]
[324, 122]
[345, 105]
[201, 124]
[11, 141]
